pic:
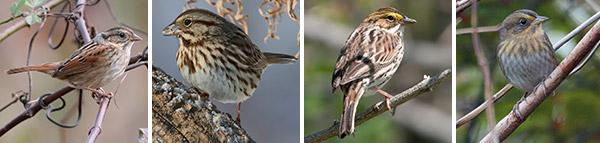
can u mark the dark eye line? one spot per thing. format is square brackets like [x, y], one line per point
[203, 22]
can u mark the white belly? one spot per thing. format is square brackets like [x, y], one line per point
[216, 85]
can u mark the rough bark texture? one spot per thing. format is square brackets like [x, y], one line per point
[182, 114]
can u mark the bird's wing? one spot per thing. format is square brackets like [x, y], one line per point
[360, 59]
[83, 59]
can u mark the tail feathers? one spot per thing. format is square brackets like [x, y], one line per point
[48, 68]
[274, 58]
[350, 103]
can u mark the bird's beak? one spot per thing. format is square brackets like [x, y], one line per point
[540, 19]
[136, 37]
[409, 20]
[170, 30]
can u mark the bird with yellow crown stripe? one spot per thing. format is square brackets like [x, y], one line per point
[368, 60]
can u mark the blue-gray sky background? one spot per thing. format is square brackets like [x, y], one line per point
[273, 112]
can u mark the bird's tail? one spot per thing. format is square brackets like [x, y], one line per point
[274, 58]
[350, 103]
[48, 68]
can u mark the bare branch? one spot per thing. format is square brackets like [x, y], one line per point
[35, 106]
[469, 116]
[482, 29]
[80, 21]
[461, 5]
[510, 123]
[33, 109]
[379, 108]
[11, 19]
[577, 30]
[474, 113]
[97, 128]
[484, 67]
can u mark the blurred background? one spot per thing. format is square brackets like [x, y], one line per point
[428, 52]
[568, 116]
[273, 112]
[128, 109]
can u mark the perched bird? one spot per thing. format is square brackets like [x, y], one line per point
[93, 65]
[368, 60]
[525, 53]
[217, 57]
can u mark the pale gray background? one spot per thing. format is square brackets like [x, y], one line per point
[273, 113]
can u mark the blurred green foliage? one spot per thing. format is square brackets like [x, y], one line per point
[571, 115]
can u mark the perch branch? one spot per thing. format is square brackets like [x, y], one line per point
[181, 114]
[36, 106]
[97, 128]
[379, 108]
[474, 113]
[510, 123]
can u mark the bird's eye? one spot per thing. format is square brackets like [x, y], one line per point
[122, 35]
[389, 17]
[522, 22]
[187, 22]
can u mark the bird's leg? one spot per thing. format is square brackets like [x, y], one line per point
[515, 108]
[238, 118]
[98, 93]
[386, 95]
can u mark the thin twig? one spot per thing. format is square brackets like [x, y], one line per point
[483, 66]
[36, 107]
[577, 30]
[482, 29]
[21, 23]
[593, 5]
[474, 113]
[379, 108]
[16, 96]
[511, 122]
[11, 19]
[461, 5]
[33, 109]
[469, 116]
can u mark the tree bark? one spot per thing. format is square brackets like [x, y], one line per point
[181, 114]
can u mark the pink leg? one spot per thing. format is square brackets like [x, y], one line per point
[386, 95]
[97, 93]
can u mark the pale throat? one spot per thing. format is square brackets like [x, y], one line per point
[189, 38]
[396, 29]
[525, 36]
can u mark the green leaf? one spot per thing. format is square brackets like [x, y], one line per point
[15, 8]
[32, 19]
[29, 3]
[37, 3]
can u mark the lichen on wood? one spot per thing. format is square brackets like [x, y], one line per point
[184, 114]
